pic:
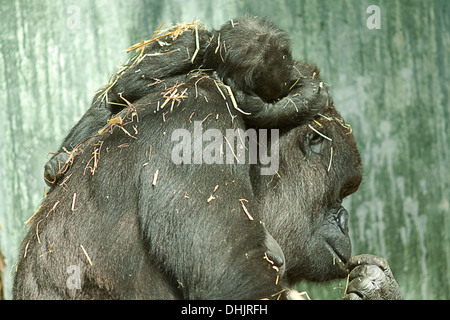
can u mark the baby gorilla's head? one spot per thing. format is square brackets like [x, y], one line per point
[253, 55]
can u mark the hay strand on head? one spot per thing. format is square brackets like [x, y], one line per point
[197, 44]
[73, 201]
[173, 32]
[331, 159]
[155, 177]
[233, 101]
[319, 133]
[86, 254]
[245, 209]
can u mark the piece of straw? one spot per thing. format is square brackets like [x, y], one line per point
[197, 44]
[245, 209]
[320, 134]
[85, 253]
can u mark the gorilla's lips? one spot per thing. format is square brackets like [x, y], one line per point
[339, 258]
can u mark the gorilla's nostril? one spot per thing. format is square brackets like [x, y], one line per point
[342, 219]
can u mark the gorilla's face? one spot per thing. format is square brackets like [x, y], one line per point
[302, 204]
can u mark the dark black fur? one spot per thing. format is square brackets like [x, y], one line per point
[170, 239]
[160, 60]
[307, 98]
[248, 53]
[308, 94]
[253, 55]
[163, 240]
[187, 234]
[159, 241]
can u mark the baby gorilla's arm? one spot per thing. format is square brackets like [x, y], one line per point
[308, 97]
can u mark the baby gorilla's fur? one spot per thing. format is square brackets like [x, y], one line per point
[252, 55]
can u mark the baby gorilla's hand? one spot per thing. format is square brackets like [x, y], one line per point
[55, 168]
[310, 96]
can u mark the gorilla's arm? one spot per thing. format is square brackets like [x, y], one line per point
[308, 96]
[203, 253]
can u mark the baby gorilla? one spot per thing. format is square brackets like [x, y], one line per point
[251, 55]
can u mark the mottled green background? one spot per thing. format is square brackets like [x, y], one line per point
[391, 84]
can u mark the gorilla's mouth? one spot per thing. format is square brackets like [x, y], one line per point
[338, 258]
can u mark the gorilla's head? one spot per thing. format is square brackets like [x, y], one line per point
[301, 205]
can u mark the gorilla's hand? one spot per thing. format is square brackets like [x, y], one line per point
[371, 279]
[55, 168]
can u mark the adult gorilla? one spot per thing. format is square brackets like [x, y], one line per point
[128, 222]
[135, 225]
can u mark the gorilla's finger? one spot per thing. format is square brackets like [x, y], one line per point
[365, 288]
[367, 259]
[352, 296]
[370, 272]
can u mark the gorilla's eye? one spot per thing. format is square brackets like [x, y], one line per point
[316, 143]
[314, 138]
[312, 145]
